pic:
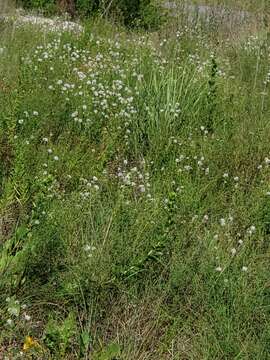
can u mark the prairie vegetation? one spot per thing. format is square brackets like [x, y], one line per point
[134, 191]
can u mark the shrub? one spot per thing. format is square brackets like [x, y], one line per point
[48, 6]
[136, 13]
[141, 13]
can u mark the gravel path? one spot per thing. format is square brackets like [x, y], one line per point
[221, 13]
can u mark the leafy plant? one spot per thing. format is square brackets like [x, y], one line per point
[59, 334]
[111, 352]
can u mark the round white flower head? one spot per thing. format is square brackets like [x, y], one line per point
[27, 317]
[222, 222]
[9, 322]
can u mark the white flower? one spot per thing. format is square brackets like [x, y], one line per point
[27, 317]
[45, 139]
[142, 188]
[251, 230]
[87, 248]
[50, 151]
[219, 268]
[9, 322]
[233, 251]
[222, 222]
[14, 311]
[20, 121]
[205, 218]
[35, 113]
[244, 268]
[56, 158]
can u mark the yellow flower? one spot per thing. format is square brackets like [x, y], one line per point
[29, 343]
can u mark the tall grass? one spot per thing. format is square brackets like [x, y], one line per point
[134, 194]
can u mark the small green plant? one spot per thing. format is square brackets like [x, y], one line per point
[111, 352]
[59, 335]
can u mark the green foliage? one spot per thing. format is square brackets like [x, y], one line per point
[137, 13]
[111, 352]
[140, 13]
[59, 335]
[48, 6]
[88, 8]
[134, 194]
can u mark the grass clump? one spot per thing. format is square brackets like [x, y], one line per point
[134, 192]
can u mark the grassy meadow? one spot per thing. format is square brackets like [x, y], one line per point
[134, 193]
